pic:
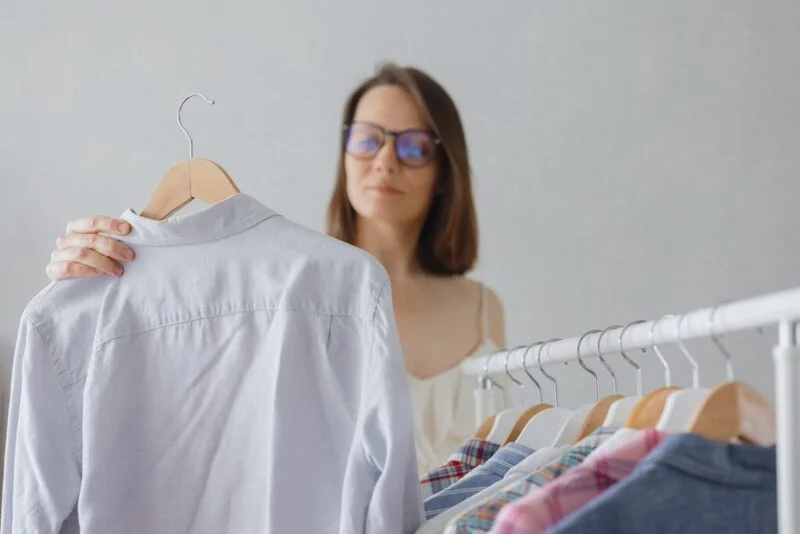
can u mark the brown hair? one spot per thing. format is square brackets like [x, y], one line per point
[448, 242]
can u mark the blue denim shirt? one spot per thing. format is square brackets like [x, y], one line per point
[691, 485]
[479, 478]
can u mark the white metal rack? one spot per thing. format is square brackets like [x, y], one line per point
[780, 309]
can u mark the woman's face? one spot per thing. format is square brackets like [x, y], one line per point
[382, 187]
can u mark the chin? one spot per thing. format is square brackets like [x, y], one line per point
[387, 213]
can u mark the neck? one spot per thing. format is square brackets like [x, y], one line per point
[393, 245]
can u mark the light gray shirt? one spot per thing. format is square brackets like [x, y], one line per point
[243, 376]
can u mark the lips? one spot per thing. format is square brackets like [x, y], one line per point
[383, 189]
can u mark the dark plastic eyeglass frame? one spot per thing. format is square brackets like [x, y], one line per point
[394, 134]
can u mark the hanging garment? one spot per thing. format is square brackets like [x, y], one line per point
[481, 518]
[244, 375]
[541, 509]
[688, 484]
[470, 455]
[446, 411]
[479, 478]
[439, 523]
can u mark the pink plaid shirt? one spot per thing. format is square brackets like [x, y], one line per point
[543, 508]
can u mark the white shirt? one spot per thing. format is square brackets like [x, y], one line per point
[243, 376]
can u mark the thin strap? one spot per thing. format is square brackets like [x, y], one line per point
[484, 311]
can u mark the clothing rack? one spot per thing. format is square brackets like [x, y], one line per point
[781, 309]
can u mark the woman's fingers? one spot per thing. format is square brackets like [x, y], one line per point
[104, 245]
[87, 257]
[97, 224]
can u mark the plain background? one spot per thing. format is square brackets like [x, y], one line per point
[631, 158]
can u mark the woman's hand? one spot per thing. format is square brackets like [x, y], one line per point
[82, 252]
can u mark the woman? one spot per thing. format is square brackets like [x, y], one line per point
[403, 194]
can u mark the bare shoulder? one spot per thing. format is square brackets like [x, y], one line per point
[469, 290]
[497, 319]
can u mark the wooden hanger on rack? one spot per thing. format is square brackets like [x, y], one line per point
[192, 178]
[680, 406]
[734, 410]
[598, 413]
[619, 411]
[648, 410]
[542, 430]
[530, 412]
[505, 421]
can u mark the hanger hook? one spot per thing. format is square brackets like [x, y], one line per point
[692, 361]
[486, 375]
[508, 355]
[180, 122]
[667, 370]
[525, 368]
[628, 359]
[718, 343]
[603, 361]
[510, 376]
[545, 373]
[580, 361]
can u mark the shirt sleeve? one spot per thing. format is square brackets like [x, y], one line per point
[41, 469]
[395, 502]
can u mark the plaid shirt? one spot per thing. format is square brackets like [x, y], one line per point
[479, 478]
[537, 511]
[482, 517]
[470, 455]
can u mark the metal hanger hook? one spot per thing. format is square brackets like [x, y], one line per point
[603, 361]
[486, 375]
[510, 376]
[628, 359]
[180, 122]
[580, 362]
[545, 373]
[508, 355]
[667, 370]
[527, 372]
[718, 343]
[692, 361]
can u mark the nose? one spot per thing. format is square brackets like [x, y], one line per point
[386, 158]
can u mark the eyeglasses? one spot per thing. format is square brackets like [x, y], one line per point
[413, 148]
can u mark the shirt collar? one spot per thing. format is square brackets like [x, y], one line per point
[474, 452]
[224, 219]
[726, 463]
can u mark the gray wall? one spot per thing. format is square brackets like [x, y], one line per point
[631, 158]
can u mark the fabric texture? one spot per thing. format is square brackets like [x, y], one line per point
[446, 410]
[482, 517]
[688, 484]
[244, 375]
[539, 510]
[479, 478]
[469, 455]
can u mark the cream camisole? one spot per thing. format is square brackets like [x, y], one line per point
[447, 409]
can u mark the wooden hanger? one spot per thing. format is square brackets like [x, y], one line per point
[486, 426]
[505, 420]
[192, 178]
[735, 410]
[543, 428]
[523, 419]
[597, 416]
[647, 412]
